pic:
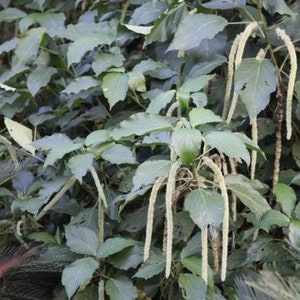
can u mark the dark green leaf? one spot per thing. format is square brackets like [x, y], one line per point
[120, 288]
[78, 273]
[205, 207]
[194, 28]
[114, 245]
[192, 286]
[286, 196]
[273, 217]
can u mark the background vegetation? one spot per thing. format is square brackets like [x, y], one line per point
[153, 146]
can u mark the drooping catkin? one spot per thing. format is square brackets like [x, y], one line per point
[230, 74]
[254, 134]
[292, 78]
[149, 227]
[204, 254]
[244, 36]
[170, 188]
[225, 229]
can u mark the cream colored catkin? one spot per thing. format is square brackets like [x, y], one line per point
[254, 133]
[170, 189]
[292, 78]
[244, 36]
[225, 229]
[150, 215]
[204, 254]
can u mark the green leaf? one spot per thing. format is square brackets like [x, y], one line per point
[254, 81]
[9, 45]
[251, 198]
[115, 86]
[161, 101]
[120, 288]
[193, 246]
[194, 28]
[86, 43]
[21, 134]
[128, 258]
[153, 266]
[59, 152]
[11, 14]
[196, 84]
[39, 78]
[286, 196]
[278, 7]
[52, 141]
[114, 245]
[31, 205]
[139, 29]
[296, 151]
[223, 142]
[193, 264]
[43, 237]
[78, 273]
[200, 116]
[28, 46]
[206, 207]
[103, 61]
[82, 83]
[224, 4]
[192, 286]
[118, 154]
[137, 81]
[97, 137]
[82, 240]
[273, 217]
[140, 124]
[80, 164]
[294, 234]
[186, 143]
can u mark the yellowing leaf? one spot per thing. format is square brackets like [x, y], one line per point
[20, 134]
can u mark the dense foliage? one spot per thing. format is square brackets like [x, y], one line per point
[156, 140]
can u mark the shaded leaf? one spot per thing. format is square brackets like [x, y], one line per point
[114, 245]
[78, 273]
[223, 142]
[192, 286]
[294, 234]
[11, 14]
[286, 196]
[251, 198]
[278, 7]
[186, 143]
[103, 61]
[140, 124]
[160, 102]
[254, 81]
[224, 4]
[273, 217]
[118, 154]
[82, 83]
[39, 78]
[80, 164]
[205, 207]
[115, 86]
[194, 28]
[120, 288]
[81, 239]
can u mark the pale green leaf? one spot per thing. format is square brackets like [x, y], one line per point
[273, 217]
[254, 81]
[80, 164]
[192, 286]
[140, 124]
[11, 14]
[118, 154]
[86, 43]
[196, 84]
[78, 273]
[82, 240]
[21, 134]
[154, 265]
[139, 29]
[241, 187]
[82, 83]
[39, 78]
[205, 207]
[161, 101]
[59, 152]
[294, 234]
[120, 288]
[97, 137]
[137, 81]
[52, 141]
[200, 116]
[224, 4]
[194, 28]
[187, 143]
[115, 86]
[9, 45]
[28, 46]
[223, 141]
[103, 61]
[114, 245]
[286, 196]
